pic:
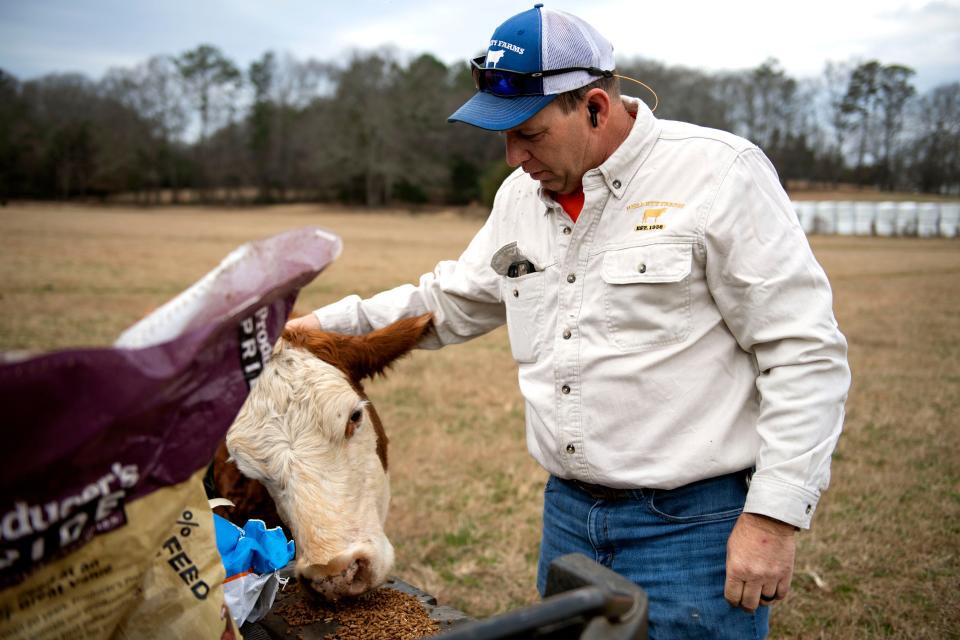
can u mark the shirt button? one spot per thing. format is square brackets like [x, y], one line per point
[565, 389]
[567, 231]
[516, 294]
[571, 278]
[566, 334]
[642, 268]
[571, 449]
[616, 184]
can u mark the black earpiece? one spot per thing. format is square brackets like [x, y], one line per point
[593, 114]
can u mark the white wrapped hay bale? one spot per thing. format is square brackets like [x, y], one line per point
[844, 218]
[928, 219]
[885, 223]
[807, 215]
[906, 218]
[826, 217]
[949, 219]
[864, 216]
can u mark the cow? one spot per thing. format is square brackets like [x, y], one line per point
[493, 57]
[652, 214]
[309, 449]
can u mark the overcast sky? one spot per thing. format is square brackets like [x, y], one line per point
[90, 36]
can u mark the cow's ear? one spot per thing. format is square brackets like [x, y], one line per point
[367, 355]
[370, 354]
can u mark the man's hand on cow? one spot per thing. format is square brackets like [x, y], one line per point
[306, 322]
[760, 556]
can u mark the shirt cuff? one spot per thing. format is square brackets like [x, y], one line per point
[781, 501]
[340, 316]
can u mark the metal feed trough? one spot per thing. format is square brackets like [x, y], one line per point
[584, 600]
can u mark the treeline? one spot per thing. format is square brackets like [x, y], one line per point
[372, 129]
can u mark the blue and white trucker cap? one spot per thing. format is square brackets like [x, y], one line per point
[534, 41]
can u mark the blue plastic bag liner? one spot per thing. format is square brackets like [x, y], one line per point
[252, 548]
[251, 557]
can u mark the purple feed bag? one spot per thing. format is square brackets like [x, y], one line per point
[104, 526]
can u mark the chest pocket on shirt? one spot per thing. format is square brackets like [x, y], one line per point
[646, 297]
[523, 297]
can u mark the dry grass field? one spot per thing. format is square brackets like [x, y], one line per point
[883, 558]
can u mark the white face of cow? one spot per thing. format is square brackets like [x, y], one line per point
[308, 435]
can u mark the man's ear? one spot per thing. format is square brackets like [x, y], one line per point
[598, 106]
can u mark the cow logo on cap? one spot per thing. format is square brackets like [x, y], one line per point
[494, 57]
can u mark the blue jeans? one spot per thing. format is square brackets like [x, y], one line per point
[671, 543]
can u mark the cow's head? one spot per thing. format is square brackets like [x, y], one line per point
[310, 436]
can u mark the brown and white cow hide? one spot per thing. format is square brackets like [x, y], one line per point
[309, 449]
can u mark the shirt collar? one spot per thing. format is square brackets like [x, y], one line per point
[618, 170]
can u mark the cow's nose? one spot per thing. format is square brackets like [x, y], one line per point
[342, 565]
[346, 575]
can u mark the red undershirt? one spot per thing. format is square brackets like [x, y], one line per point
[572, 202]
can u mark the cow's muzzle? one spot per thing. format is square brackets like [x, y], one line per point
[346, 576]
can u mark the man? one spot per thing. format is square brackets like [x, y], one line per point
[683, 372]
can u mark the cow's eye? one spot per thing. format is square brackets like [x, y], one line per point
[354, 424]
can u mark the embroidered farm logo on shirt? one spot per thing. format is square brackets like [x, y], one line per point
[653, 211]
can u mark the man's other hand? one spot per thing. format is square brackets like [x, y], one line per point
[760, 555]
[306, 322]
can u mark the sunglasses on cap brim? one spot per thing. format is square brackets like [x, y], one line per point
[511, 84]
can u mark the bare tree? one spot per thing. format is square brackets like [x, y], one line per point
[768, 99]
[211, 83]
[15, 173]
[861, 110]
[63, 107]
[836, 79]
[895, 91]
[373, 129]
[684, 94]
[364, 140]
[419, 95]
[154, 90]
[260, 133]
[935, 157]
[874, 106]
[298, 85]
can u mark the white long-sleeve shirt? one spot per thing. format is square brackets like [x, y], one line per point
[680, 330]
